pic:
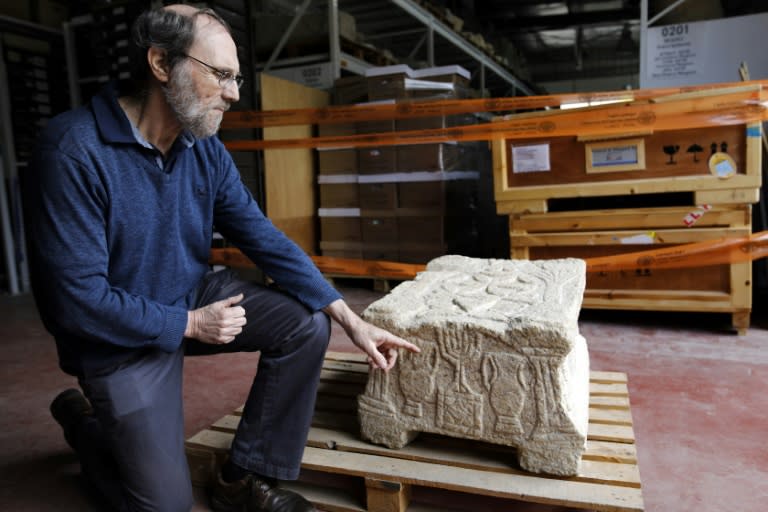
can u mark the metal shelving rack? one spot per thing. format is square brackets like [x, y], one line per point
[408, 17]
[30, 68]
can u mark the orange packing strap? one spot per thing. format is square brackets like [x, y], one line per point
[698, 254]
[693, 255]
[409, 109]
[742, 107]
[232, 257]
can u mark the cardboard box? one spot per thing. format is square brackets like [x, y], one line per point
[377, 160]
[337, 161]
[421, 123]
[329, 130]
[443, 82]
[379, 229]
[340, 229]
[339, 195]
[378, 196]
[349, 90]
[380, 252]
[421, 230]
[420, 254]
[422, 194]
[387, 82]
[341, 249]
[427, 157]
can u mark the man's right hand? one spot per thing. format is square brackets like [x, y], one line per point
[217, 323]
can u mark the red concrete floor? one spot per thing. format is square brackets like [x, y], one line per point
[699, 397]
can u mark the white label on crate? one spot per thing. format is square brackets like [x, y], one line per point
[530, 158]
[642, 238]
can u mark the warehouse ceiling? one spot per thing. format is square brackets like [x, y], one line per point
[542, 41]
[538, 42]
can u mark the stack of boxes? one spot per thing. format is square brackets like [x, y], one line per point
[407, 203]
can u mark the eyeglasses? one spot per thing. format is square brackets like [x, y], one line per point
[224, 77]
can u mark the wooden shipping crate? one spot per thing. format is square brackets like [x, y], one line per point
[719, 165]
[725, 288]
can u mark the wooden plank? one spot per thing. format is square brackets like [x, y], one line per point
[608, 451]
[630, 218]
[334, 403]
[607, 377]
[329, 499]
[387, 495]
[349, 357]
[472, 455]
[227, 423]
[608, 389]
[603, 461]
[354, 366]
[658, 300]
[736, 195]
[626, 188]
[526, 487]
[289, 174]
[334, 388]
[609, 402]
[616, 433]
[613, 238]
[336, 420]
[211, 440]
[610, 416]
[343, 376]
[528, 206]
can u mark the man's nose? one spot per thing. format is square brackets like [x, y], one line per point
[231, 92]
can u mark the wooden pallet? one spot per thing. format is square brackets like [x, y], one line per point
[609, 479]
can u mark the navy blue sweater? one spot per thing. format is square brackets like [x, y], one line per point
[118, 245]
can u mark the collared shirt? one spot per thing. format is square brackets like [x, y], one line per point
[185, 138]
[119, 243]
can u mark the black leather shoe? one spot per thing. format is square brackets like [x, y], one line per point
[252, 494]
[68, 409]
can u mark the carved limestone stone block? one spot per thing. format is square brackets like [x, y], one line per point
[501, 359]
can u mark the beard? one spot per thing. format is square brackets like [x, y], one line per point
[199, 119]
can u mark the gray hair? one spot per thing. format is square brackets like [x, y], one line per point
[167, 30]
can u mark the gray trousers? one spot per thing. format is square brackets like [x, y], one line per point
[132, 449]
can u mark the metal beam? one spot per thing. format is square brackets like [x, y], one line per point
[8, 156]
[395, 33]
[334, 43]
[287, 34]
[428, 19]
[417, 47]
[665, 11]
[431, 44]
[353, 64]
[518, 24]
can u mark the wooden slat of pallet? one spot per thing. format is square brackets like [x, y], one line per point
[526, 487]
[464, 454]
[609, 477]
[610, 416]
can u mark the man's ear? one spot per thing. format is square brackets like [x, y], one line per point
[158, 64]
